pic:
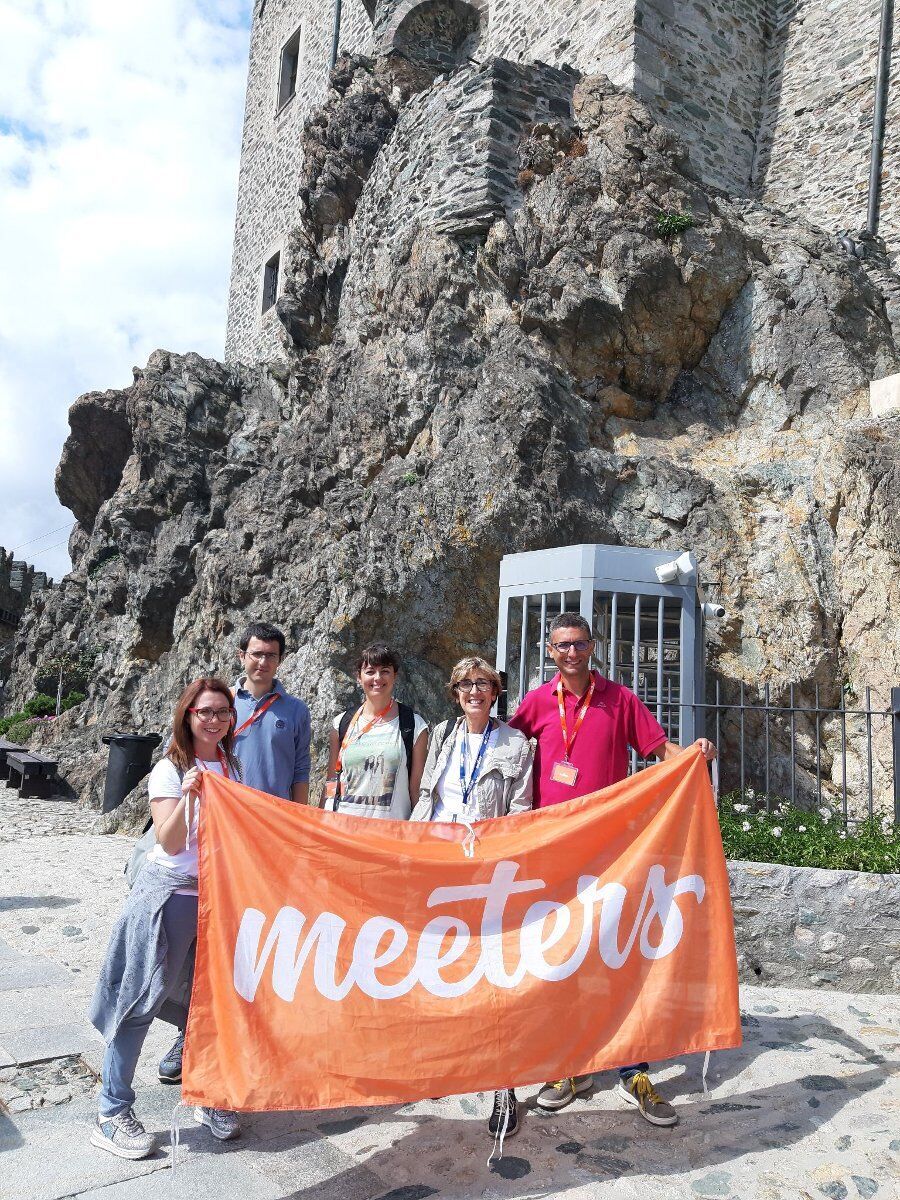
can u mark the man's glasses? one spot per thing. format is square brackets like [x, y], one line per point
[565, 647]
[474, 685]
[211, 714]
[262, 656]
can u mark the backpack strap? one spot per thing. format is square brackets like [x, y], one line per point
[407, 731]
[344, 723]
[343, 726]
[447, 730]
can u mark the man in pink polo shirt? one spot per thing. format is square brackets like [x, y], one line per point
[584, 726]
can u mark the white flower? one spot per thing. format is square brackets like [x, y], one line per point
[761, 817]
[886, 823]
[801, 829]
[825, 813]
[751, 795]
[782, 808]
[745, 826]
[842, 834]
[776, 831]
[741, 807]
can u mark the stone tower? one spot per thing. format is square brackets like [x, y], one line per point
[754, 87]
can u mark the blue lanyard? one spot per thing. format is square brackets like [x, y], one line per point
[466, 789]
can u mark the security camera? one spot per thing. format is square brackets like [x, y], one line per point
[713, 611]
[680, 568]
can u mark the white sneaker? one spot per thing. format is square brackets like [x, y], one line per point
[124, 1135]
[221, 1122]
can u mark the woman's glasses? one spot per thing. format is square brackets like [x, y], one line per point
[474, 685]
[211, 714]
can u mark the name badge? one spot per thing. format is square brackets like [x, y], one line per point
[564, 772]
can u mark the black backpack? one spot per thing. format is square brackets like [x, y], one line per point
[407, 733]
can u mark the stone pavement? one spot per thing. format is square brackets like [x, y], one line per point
[808, 1108]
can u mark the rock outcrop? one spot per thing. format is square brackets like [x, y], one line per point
[548, 355]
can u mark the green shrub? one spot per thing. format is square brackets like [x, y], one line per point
[72, 699]
[6, 722]
[805, 839]
[20, 732]
[668, 224]
[40, 705]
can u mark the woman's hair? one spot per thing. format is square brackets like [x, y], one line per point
[378, 655]
[181, 748]
[473, 662]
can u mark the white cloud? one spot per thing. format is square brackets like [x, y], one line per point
[119, 142]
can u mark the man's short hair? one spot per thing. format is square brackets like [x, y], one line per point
[265, 632]
[570, 620]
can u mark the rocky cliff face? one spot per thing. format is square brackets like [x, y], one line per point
[525, 361]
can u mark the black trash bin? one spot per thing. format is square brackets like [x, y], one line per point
[130, 755]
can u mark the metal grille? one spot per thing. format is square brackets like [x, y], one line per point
[270, 282]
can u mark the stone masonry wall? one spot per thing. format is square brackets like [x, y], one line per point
[817, 116]
[800, 927]
[17, 582]
[270, 155]
[772, 98]
[699, 65]
[455, 153]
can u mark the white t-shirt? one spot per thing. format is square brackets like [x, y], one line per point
[375, 775]
[448, 804]
[164, 783]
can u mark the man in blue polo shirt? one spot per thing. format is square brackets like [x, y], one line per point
[272, 730]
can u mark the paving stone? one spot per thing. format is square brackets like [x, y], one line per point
[18, 973]
[27, 1008]
[50, 1041]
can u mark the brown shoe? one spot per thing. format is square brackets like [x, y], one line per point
[640, 1092]
[557, 1095]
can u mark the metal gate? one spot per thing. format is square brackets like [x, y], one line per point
[644, 607]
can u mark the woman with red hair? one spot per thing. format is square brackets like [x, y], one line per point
[154, 937]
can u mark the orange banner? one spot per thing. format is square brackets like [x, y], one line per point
[344, 961]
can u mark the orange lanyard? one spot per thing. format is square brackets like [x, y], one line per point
[348, 738]
[584, 703]
[254, 716]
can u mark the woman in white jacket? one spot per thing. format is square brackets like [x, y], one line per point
[478, 767]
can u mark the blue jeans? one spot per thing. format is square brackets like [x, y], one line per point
[179, 918]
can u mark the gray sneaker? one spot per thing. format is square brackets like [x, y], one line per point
[221, 1122]
[557, 1095]
[640, 1092]
[124, 1135]
[170, 1063]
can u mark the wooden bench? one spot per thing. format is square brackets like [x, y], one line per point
[6, 748]
[32, 775]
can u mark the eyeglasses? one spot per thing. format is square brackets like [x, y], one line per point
[474, 685]
[262, 656]
[565, 647]
[211, 714]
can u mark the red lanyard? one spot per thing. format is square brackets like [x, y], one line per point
[377, 719]
[223, 762]
[584, 703]
[254, 716]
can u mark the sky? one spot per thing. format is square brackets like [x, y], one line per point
[120, 125]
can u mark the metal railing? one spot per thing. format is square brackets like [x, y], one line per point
[845, 757]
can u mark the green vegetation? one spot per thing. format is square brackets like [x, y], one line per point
[409, 477]
[36, 708]
[669, 224]
[20, 731]
[805, 839]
